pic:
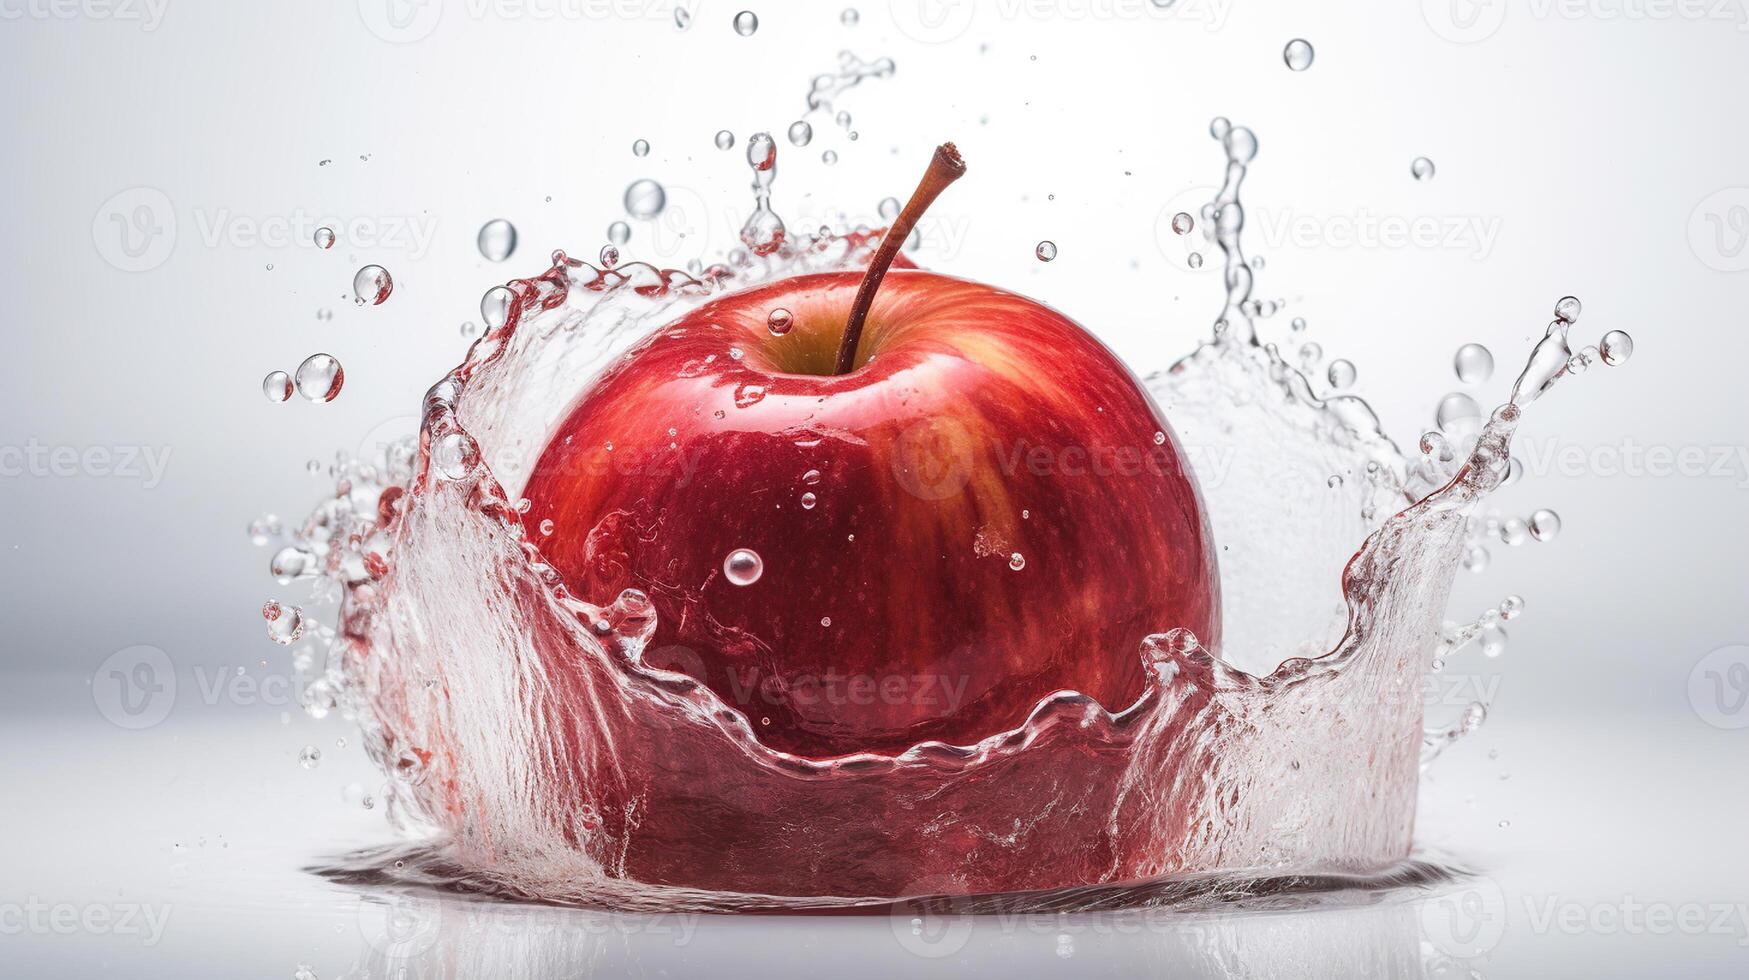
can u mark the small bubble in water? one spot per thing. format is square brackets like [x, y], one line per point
[640, 148]
[619, 233]
[725, 139]
[277, 386]
[1616, 347]
[324, 237]
[1456, 409]
[1567, 310]
[1545, 525]
[645, 198]
[320, 378]
[455, 455]
[497, 239]
[1195, 260]
[779, 322]
[1421, 168]
[1046, 251]
[746, 22]
[495, 307]
[1297, 54]
[809, 500]
[849, 17]
[1474, 364]
[371, 285]
[310, 757]
[800, 133]
[829, 157]
[285, 624]
[1341, 373]
[1182, 223]
[1017, 561]
[743, 566]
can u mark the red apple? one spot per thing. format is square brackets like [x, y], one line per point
[984, 509]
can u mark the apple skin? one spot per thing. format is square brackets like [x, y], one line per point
[977, 425]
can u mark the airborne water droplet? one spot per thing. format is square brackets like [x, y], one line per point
[1616, 347]
[640, 148]
[725, 139]
[1456, 409]
[829, 157]
[1195, 260]
[645, 198]
[1421, 168]
[743, 566]
[497, 239]
[495, 307]
[746, 22]
[1182, 223]
[619, 233]
[1474, 364]
[277, 386]
[371, 285]
[1297, 54]
[310, 757]
[285, 624]
[1545, 525]
[800, 133]
[324, 237]
[849, 17]
[1046, 251]
[1341, 373]
[320, 377]
[1567, 309]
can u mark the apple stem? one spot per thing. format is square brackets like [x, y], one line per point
[944, 168]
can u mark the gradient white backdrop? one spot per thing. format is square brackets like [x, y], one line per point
[163, 165]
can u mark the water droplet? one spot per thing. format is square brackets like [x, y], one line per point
[1476, 560]
[826, 621]
[1046, 251]
[779, 322]
[455, 455]
[800, 133]
[290, 564]
[1310, 355]
[619, 233]
[1457, 410]
[746, 22]
[1567, 309]
[1514, 531]
[1341, 373]
[1335, 482]
[1195, 260]
[1616, 347]
[546, 527]
[1297, 54]
[725, 139]
[645, 199]
[640, 148]
[1492, 641]
[497, 239]
[285, 624]
[829, 157]
[324, 237]
[1511, 606]
[811, 478]
[1421, 168]
[682, 18]
[495, 307]
[320, 377]
[310, 757]
[277, 386]
[849, 17]
[608, 257]
[1545, 525]
[1017, 561]
[842, 119]
[809, 500]
[1182, 223]
[1159, 438]
[371, 285]
[743, 566]
[1219, 127]
[1473, 363]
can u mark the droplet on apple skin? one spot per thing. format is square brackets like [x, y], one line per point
[743, 566]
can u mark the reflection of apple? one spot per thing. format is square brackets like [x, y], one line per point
[985, 509]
